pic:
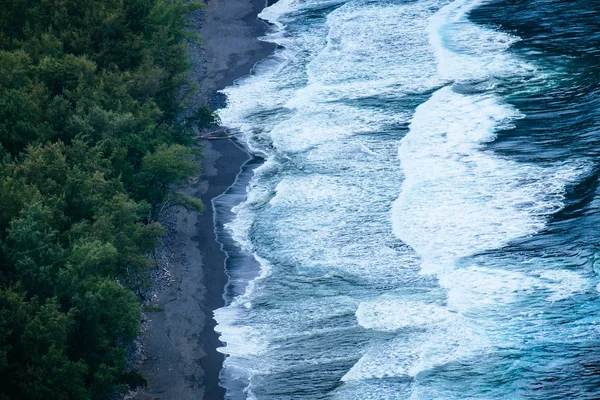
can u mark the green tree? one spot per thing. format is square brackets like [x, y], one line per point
[94, 142]
[161, 173]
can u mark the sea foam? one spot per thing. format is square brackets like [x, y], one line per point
[340, 295]
[459, 199]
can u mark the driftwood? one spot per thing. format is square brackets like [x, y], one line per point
[222, 133]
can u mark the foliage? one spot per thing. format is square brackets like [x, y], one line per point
[92, 147]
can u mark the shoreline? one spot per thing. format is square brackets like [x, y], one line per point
[240, 267]
[180, 344]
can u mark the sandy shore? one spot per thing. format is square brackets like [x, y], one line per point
[181, 361]
[230, 31]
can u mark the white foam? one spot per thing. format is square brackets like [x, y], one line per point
[390, 314]
[242, 340]
[276, 11]
[564, 284]
[477, 287]
[447, 340]
[459, 200]
[449, 334]
[321, 234]
[370, 53]
[257, 195]
[465, 51]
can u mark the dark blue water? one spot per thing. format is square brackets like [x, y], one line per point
[426, 220]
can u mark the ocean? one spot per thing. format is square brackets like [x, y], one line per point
[426, 219]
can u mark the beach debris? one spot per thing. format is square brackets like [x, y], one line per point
[221, 133]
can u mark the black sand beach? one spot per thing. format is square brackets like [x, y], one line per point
[181, 360]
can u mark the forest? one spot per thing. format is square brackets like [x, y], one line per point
[95, 138]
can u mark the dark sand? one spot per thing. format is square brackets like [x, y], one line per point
[180, 344]
[230, 31]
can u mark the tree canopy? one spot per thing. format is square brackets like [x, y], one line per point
[92, 147]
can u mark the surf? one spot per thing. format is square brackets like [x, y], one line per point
[381, 215]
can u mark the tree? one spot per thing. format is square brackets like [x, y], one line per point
[161, 173]
[93, 145]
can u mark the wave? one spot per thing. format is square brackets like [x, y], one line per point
[349, 291]
[459, 199]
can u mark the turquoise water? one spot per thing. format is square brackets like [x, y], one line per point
[426, 216]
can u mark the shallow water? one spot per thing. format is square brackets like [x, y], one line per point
[426, 217]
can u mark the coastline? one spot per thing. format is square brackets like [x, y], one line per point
[181, 360]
